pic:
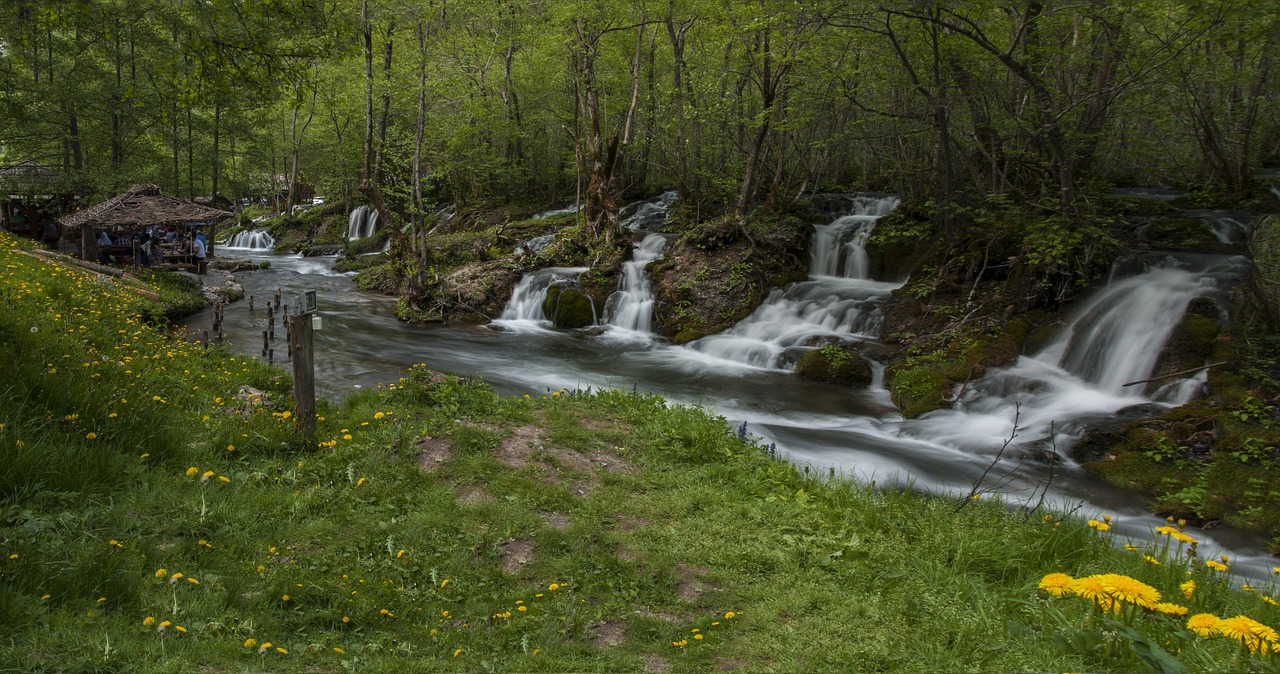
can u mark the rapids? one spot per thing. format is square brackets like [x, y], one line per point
[1113, 338]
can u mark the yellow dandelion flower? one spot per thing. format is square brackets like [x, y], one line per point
[284, 598]
[1151, 560]
[165, 623]
[148, 621]
[1131, 591]
[457, 653]
[1204, 624]
[250, 643]
[1170, 609]
[443, 583]
[193, 471]
[231, 448]
[400, 554]
[1183, 538]
[1092, 589]
[207, 474]
[522, 609]
[224, 478]
[161, 573]
[1056, 584]
[281, 650]
[1269, 600]
[345, 619]
[730, 615]
[180, 628]
[1188, 588]
[1245, 630]
[361, 480]
[698, 637]
[1100, 526]
[378, 415]
[193, 581]
[338, 650]
[553, 587]
[91, 435]
[1215, 565]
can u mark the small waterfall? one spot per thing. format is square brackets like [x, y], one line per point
[362, 223]
[558, 211]
[1115, 338]
[631, 307]
[646, 216]
[1231, 227]
[256, 239]
[526, 300]
[838, 302]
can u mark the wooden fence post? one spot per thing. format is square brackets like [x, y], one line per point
[304, 376]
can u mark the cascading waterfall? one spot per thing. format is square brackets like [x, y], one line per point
[631, 307]
[1115, 339]
[645, 216]
[838, 302]
[362, 223]
[524, 309]
[256, 239]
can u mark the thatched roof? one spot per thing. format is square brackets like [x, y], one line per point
[26, 177]
[144, 205]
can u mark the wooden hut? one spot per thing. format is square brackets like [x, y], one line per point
[141, 206]
[31, 197]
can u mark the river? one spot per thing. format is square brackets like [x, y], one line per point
[824, 427]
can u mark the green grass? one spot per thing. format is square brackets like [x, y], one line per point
[425, 514]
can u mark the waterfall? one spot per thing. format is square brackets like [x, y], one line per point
[645, 216]
[256, 239]
[631, 307]
[839, 301]
[362, 223]
[525, 306]
[1115, 338]
[558, 211]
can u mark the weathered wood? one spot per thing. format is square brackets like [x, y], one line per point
[304, 377]
[1175, 374]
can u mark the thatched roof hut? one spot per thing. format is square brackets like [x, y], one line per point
[144, 205]
[26, 178]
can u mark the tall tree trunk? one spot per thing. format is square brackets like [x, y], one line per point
[367, 30]
[217, 163]
[416, 211]
[386, 105]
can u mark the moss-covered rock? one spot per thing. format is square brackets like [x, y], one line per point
[719, 271]
[835, 364]
[568, 307]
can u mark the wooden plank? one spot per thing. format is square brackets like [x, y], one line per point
[304, 376]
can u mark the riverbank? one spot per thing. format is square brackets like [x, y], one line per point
[163, 515]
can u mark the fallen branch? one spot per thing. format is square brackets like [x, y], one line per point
[1175, 374]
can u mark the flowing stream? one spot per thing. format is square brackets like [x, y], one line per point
[1113, 338]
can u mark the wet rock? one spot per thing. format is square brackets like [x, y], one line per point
[835, 364]
[568, 307]
[1097, 435]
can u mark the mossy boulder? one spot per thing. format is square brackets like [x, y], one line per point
[835, 364]
[568, 307]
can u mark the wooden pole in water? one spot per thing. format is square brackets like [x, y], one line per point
[264, 344]
[304, 376]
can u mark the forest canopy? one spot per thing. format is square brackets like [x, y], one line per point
[737, 105]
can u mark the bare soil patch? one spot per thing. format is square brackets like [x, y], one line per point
[692, 585]
[517, 449]
[557, 521]
[608, 634]
[432, 452]
[655, 663]
[516, 553]
[473, 495]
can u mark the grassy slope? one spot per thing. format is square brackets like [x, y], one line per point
[433, 510]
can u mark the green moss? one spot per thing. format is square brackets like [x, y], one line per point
[835, 365]
[918, 390]
[686, 336]
[568, 308]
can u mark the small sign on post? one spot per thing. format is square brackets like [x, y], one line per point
[304, 376]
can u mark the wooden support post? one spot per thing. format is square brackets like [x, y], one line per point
[277, 299]
[265, 346]
[304, 376]
[251, 304]
[206, 339]
[271, 357]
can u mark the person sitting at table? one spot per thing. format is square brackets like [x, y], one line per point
[197, 251]
[104, 245]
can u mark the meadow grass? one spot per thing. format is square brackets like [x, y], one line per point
[157, 515]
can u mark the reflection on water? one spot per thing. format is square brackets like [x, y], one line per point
[828, 427]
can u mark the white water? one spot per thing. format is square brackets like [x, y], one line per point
[839, 301]
[258, 239]
[646, 216]
[524, 309]
[630, 309]
[558, 211]
[1227, 226]
[1115, 338]
[362, 223]
[820, 426]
